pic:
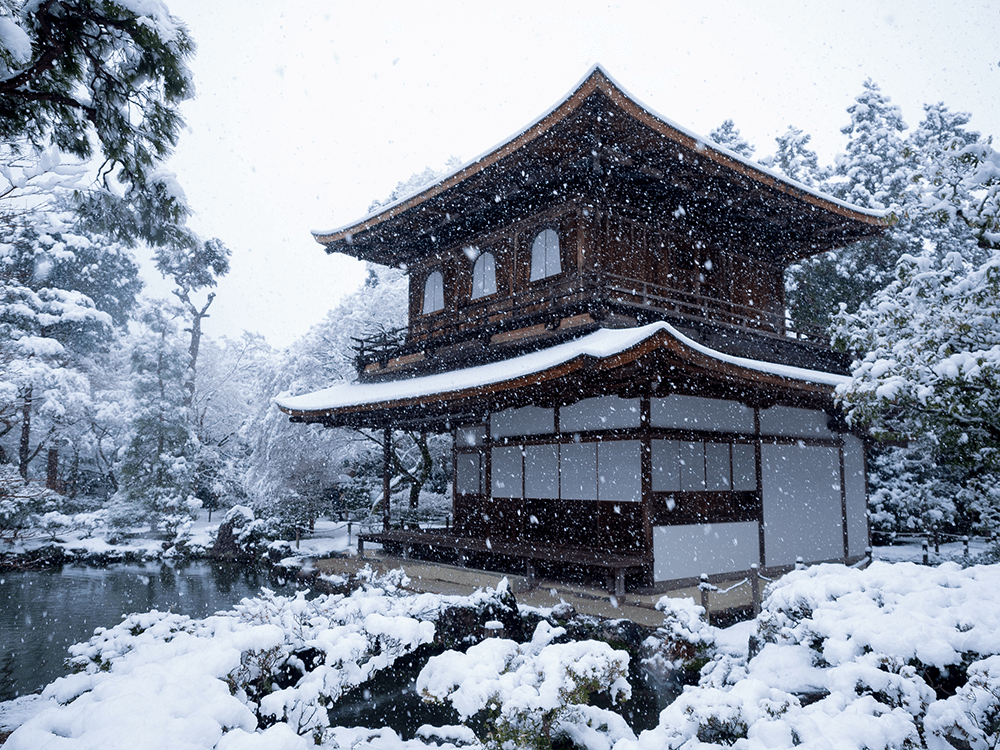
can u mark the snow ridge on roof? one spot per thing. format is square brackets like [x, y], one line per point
[597, 69]
[600, 344]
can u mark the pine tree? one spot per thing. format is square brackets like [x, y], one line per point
[873, 172]
[795, 159]
[157, 469]
[728, 135]
[930, 369]
[99, 78]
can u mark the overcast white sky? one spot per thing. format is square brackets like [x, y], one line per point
[307, 111]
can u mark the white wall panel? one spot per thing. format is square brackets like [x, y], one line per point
[600, 413]
[698, 413]
[578, 471]
[666, 466]
[526, 420]
[688, 551]
[619, 470]
[692, 460]
[505, 466]
[790, 421]
[717, 467]
[468, 473]
[541, 471]
[802, 506]
[744, 467]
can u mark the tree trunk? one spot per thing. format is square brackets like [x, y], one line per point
[52, 470]
[24, 452]
[193, 348]
[386, 475]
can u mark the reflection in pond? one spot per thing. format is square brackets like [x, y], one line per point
[42, 613]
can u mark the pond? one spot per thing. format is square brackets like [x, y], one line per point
[42, 613]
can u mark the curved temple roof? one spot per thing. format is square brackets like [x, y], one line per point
[585, 134]
[600, 351]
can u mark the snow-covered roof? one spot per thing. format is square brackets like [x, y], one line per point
[535, 367]
[598, 79]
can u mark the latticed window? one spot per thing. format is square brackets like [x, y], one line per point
[433, 292]
[545, 255]
[484, 276]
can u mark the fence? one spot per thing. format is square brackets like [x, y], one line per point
[754, 582]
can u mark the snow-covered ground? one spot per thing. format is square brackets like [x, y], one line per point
[896, 656]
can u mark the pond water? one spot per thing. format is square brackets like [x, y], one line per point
[42, 613]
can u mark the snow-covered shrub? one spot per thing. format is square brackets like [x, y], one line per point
[536, 692]
[895, 656]
[971, 717]
[273, 660]
[55, 523]
[243, 536]
[683, 644]
[22, 505]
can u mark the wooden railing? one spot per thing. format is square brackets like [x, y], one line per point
[601, 291]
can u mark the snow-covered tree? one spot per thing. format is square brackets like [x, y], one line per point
[874, 171]
[795, 159]
[99, 78]
[728, 135]
[288, 462]
[157, 469]
[416, 182]
[956, 182]
[931, 368]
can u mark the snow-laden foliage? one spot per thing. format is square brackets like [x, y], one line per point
[536, 692]
[896, 656]
[931, 343]
[87, 76]
[291, 467]
[259, 676]
[23, 506]
[873, 168]
[157, 464]
[728, 135]
[795, 159]
[416, 182]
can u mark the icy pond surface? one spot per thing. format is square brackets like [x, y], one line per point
[42, 613]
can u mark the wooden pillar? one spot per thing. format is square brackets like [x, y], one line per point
[386, 475]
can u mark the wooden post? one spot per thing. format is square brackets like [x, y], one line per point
[755, 588]
[704, 595]
[924, 546]
[965, 547]
[386, 467]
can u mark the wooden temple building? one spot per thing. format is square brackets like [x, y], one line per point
[597, 316]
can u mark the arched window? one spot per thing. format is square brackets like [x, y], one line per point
[545, 255]
[433, 293]
[484, 276]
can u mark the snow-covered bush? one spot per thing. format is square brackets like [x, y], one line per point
[535, 692]
[22, 505]
[274, 663]
[683, 644]
[931, 365]
[895, 656]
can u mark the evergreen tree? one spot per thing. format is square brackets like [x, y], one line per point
[728, 135]
[100, 78]
[930, 371]
[157, 469]
[52, 325]
[873, 172]
[795, 159]
[874, 169]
